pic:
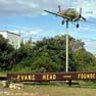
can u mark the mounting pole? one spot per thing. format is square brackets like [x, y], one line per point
[67, 45]
[67, 40]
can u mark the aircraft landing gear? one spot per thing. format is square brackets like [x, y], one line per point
[77, 25]
[63, 22]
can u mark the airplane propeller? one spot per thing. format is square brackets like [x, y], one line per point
[59, 8]
[83, 18]
[81, 15]
[80, 10]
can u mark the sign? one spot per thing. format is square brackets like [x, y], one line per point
[44, 77]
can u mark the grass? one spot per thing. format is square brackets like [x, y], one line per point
[49, 90]
[3, 73]
[63, 91]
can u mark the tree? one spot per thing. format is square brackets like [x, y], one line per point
[24, 51]
[6, 54]
[50, 55]
[44, 64]
[85, 61]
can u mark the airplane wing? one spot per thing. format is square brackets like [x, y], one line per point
[51, 12]
[64, 17]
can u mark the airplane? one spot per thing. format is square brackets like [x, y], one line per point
[69, 15]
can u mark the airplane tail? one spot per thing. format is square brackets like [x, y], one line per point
[59, 8]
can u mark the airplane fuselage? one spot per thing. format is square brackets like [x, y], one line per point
[70, 14]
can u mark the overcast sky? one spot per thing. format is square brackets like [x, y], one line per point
[28, 18]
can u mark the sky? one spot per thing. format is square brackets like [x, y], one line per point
[27, 18]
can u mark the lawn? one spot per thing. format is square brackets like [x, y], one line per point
[48, 90]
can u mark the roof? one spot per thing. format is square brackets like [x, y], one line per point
[10, 32]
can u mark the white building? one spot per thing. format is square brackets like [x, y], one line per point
[14, 39]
